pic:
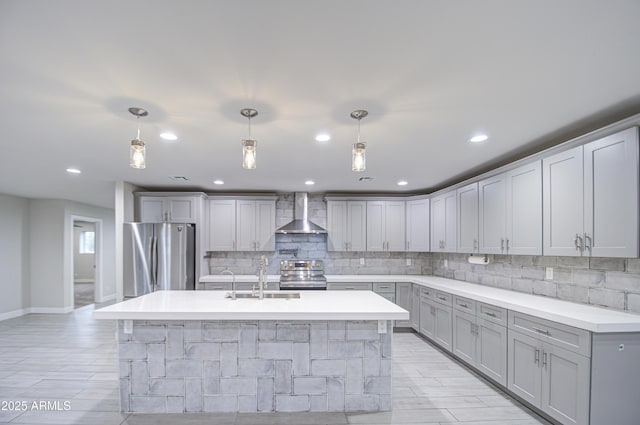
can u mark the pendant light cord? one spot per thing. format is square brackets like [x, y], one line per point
[358, 130]
[249, 127]
[138, 137]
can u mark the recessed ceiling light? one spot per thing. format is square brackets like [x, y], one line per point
[73, 171]
[403, 183]
[479, 138]
[167, 135]
[323, 137]
[218, 182]
[309, 182]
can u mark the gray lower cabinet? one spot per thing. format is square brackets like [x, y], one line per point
[551, 378]
[415, 307]
[403, 299]
[215, 286]
[482, 344]
[436, 319]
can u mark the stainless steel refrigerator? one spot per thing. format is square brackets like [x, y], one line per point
[158, 256]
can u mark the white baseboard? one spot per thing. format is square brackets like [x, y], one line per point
[13, 314]
[106, 298]
[51, 310]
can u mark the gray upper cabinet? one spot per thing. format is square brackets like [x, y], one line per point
[444, 222]
[417, 225]
[510, 207]
[346, 225]
[255, 225]
[590, 198]
[169, 209]
[467, 210]
[386, 226]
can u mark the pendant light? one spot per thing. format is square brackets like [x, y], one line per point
[137, 151]
[249, 145]
[358, 160]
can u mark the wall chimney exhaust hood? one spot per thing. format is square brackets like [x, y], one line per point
[301, 223]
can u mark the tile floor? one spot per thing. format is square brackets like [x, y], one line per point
[72, 358]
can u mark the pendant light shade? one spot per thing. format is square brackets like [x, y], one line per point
[249, 145]
[358, 158]
[137, 152]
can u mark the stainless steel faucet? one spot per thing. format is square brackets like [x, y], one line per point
[233, 285]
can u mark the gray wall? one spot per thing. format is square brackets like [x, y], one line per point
[14, 255]
[605, 282]
[36, 253]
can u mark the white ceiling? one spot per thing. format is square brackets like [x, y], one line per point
[431, 74]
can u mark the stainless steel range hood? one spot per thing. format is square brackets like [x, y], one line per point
[301, 223]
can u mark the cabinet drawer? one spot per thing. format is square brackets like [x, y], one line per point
[464, 304]
[443, 298]
[427, 293]
[386, 288]
[211, 286]
[492, 313]
[567, 337]
[356, 286]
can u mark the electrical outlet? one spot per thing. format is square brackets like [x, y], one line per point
[128, 326]
[446, 264]
[408, 261]
[382, 326]
[362, 261]
[549, 273]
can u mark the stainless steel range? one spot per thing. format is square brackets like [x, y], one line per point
[302, 275]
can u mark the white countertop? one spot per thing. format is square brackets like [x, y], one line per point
[583, 316]
[211, 305]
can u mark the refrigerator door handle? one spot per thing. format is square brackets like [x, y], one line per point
[154, 265]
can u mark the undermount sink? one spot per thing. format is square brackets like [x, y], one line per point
[280, 295]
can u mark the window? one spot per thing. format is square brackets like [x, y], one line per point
[87, 242]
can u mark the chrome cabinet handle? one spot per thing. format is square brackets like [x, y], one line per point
[463, 305]
[502, 244]
[536, 356]
[544, 359]
[475, 245]
[490, 314]
[579, 243]
[408, 245]
[442, 298]
[542, 331]
[588, 242]
[507, 244]
[433, 310]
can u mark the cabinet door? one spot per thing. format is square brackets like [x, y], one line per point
[246, 225]
[356, 226]
[464, 337]
[468, 218]
[443, 326]
[395, 230]
[151, 209]
[523, 367]
[493, 215]
[403, 299]
[222, 225]
[565, 385]
[376, 226]
[415, 308]
[492, 350]
[443, 223]
[562, 203]
[611, 195]
[524, 209]
[337, 226]
[427, 318]
[418, 225]
[182, 209]
[265, 225]
[438, 222]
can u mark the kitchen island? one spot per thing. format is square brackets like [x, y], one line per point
[197, 351]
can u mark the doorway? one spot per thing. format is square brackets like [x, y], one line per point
[84, 263]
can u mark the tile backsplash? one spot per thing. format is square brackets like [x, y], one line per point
[604, 282]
